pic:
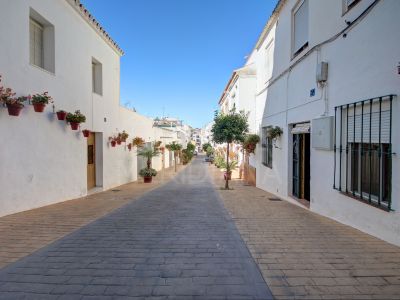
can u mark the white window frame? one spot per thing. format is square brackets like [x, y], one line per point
[295, 9]
[97, 77]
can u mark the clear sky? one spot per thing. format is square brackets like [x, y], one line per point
[179, 54]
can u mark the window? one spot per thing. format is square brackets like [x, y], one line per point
[97, 77]
[41, 42]
[267, 145]
[349, 4]
[363, 154]
[300, 27]
[268, 61]
[36, 43]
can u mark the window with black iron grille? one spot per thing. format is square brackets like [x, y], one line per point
[363, 150]
[267, 145]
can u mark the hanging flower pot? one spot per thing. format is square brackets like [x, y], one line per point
[14, 109]
[39, 107]
[86, 133]
[113, 143]
[74, 125]
[75, 119]
[61, 115]
[39, 101]
[130, 147]
[119, 141]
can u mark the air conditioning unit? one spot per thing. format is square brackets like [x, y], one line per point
[322, 72]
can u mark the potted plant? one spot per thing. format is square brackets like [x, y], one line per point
[39, 101]
[123, 136]
[176, 148]
[274, 132]
[130, 146]
[113, 141]
[228, 167]
[15, 105]
[138, 142]
[86, 133]
[250, 143]
[148, 173]
[61, 115]
[75, 119]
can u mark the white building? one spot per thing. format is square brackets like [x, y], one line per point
[321, 61]
[57, 46]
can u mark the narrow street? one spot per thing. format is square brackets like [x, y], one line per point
[175, 242]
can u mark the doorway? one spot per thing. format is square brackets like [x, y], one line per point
[91, 161]
[301, 166]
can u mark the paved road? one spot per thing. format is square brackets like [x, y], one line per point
[176, 242]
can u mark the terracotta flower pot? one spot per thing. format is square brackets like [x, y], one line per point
[113, 143]
[14, 110]
[61, 115]
[86, 133]
[39, 107]
[130, 147]
[119, 142]
[148, 179]
[229, 175]
[74, 125]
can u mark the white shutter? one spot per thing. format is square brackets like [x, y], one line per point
[354, 127]
[300, 26]
[36, 43]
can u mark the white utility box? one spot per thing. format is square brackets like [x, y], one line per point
[322, 133]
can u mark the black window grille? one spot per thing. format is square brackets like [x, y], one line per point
[363, 150]
[267, 145]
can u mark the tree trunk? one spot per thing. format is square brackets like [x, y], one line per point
[175, 156]
[227, 168]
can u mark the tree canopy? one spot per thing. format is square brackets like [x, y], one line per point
[230, 127]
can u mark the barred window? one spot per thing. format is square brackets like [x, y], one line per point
[363, 150]
[267, 145]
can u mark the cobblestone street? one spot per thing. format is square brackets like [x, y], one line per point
[303, 255]
[175, 242]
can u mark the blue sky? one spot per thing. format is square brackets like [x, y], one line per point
[179, 54]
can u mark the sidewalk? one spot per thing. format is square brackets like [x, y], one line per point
[25, 232]
[303, 255]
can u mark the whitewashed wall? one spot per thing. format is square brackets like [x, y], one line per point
[41, 160]
[361, 66]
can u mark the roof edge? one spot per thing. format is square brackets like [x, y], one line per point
[88, 17]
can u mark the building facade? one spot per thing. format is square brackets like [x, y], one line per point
[60, 48]
[327, 77]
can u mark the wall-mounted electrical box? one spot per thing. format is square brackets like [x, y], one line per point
[322, 133]
[322, 72]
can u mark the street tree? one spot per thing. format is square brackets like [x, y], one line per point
[229, 128]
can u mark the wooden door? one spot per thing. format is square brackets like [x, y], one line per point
[91, 161]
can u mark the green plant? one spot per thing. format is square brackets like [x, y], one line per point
[147, 172]
[42, 99]
[250, 142]
[176, 148]
[209, 151]
[232, 165]
[148, 153]
[274, 132]
[187, 155]
[205, 146]
[138, 142]
[219, 161]
[123, 136]
[229, 128]
[76, 117]
[190, 147]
